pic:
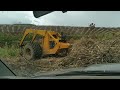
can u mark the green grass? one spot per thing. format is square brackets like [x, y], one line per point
[10, 42]
[6, 52]
[11, 39]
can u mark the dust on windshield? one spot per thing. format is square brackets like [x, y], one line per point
[73, 47]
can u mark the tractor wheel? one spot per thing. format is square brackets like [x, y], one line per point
[32, 51]
[63, 52]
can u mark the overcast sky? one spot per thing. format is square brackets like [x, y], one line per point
[71, 18]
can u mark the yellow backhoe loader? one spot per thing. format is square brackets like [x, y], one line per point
[43, 43]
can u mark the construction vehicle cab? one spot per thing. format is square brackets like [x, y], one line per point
[43, 42]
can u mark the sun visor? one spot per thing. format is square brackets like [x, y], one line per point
[38, 14]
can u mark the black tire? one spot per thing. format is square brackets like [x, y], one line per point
[62, 53]
[32, 51]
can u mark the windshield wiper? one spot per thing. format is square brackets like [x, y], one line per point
[90, 73]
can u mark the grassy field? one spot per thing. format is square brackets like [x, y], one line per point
[9, 52]
[89, 47]
[9, 43]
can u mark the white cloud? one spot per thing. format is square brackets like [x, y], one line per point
[12, 17]
[71, 18]
[82, 18]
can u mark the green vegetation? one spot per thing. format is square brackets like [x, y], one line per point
[9, 51]
[88, 47]
[9, 42]
[11, 39]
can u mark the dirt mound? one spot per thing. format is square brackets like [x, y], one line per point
[89, 51]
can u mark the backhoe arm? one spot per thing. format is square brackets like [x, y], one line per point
[24, 36]
[35, 32]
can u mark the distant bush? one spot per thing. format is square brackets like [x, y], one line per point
[11, 39]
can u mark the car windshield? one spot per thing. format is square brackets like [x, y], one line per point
[74, 39]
